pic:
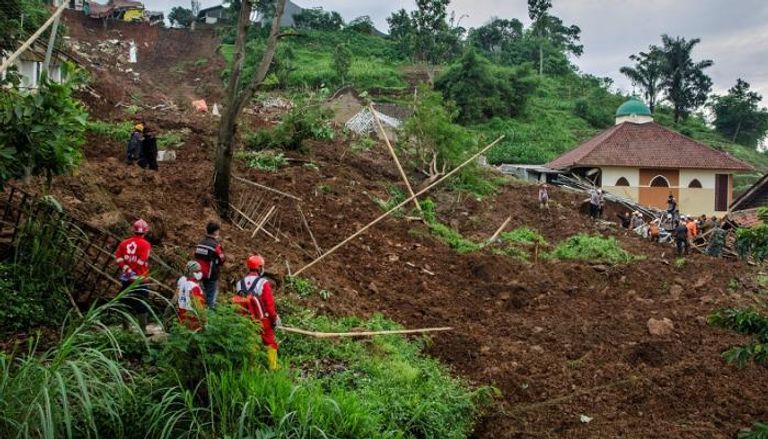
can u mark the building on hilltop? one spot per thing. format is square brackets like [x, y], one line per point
[212, 15]
[287, 20]
[646, 162]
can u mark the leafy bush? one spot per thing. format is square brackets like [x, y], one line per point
[41, 133]
[230, 341]
[523, 235]
[753, 241]
[747, 322]
[301, 286]
[263, 160]
[759, 430]
[483, 91]
[591, 248]
[453, 238]
[113, 130]
[298, 124]
[396, 196]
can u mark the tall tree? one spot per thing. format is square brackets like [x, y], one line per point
[550, 30]
[647, 73]
[496, 36]
[318, 19]
[181, 17]
[685, 84]
[238, 93]
[738, 117]
[427, 34]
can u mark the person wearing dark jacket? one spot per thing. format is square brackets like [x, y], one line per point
[210, 256]
[148, 156]
[625, 219]
[681, 238]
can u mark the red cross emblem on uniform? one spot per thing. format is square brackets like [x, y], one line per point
[131, 248]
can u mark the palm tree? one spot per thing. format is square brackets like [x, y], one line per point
[685, 84]
[646, 74]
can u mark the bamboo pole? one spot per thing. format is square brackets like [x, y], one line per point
[408, 200]
[499, 230]
[394, 157]
[34, 36]
[363, 333]
[266, 188]
[311, 235]
[263, 221]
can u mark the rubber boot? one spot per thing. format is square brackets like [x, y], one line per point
[272, 358]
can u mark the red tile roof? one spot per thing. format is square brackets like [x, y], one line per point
[646, 145]
[745, 218]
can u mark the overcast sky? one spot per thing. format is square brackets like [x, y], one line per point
[734, 34]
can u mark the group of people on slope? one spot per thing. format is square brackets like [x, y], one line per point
[142, 146]
[683, 229]
[197, 289]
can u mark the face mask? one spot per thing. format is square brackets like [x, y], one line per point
[198, 275]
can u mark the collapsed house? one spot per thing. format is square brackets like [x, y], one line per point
[120, 10]
[354, 113]
[29, 66]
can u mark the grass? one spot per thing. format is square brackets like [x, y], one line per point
[300, 286]
[591, 248]
[121, 131]
[266, 160]
[523, 235]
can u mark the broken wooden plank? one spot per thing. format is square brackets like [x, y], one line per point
[267, 188]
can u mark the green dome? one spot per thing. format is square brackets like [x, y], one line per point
[633, 106]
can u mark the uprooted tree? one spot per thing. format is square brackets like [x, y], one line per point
[239, 92]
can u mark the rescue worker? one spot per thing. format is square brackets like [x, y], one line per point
[681, 238]
[625, 219]
[717, 241]
[543, 197]
[132, 257]
[654, 230]
[671, 205]
[148, 154]
[254, 295]
[693, 228]
[190, 298]
[133, 149]
[210, 255]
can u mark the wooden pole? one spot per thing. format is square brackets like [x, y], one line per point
[394, 157]
[408, 200]
[34, 36]
[263, 221]
[311, 235]
[499, 230]
[51, 42]
[362, 334]
[267, 188]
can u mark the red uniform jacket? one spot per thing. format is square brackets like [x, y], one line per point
[210, 255]
[260, 304]
[134, 254]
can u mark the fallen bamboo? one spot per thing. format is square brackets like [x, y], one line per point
[311, 235]
[267, 188]
[394, 157]
[363, 333]
[263, 221]
[499, 230]
[34, 37]
[394, 209]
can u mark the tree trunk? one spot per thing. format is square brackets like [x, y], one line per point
[541, 59]
[235, 101]
[736, 133]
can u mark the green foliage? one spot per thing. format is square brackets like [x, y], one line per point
[523, 235]
[759, 430]
[685, 84]
[426, 34]
[748, 322]
[266, 160]
[396, 196]
[342, 61]
[116, 130]
[753, 241]
[738, 117]
[451, 237]
[11, 31]
[230, 341]
[591, 248]
[34, 289]
[297, 125]
[41, 133]
[680, 262]
[550, 33]
[318, 19]
[482, 91]
[362, 24]
[181, 17]
[74, 389]
[301, 286]
[647, 73]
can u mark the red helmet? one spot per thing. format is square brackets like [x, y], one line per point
[140, 227]
[254, 262]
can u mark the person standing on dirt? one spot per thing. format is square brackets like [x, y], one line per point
[543, 197]
[189, 296]
[654, 230]
[717, 241]
[132, 257]
[594, 203]
[254, 296]
[148, 156]
[693, 228]
[133, 150]
[681, 238]
[625, 219]
[210, 255]
[672, 206]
